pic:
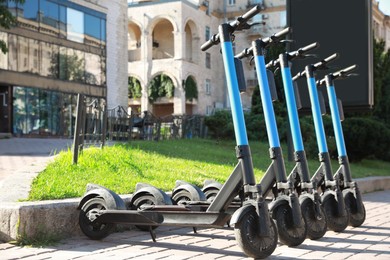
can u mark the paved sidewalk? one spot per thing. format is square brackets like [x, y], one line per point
[370, 241]
[21, 159]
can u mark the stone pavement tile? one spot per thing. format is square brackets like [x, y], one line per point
[363, 255]
[5, 246]
[284, 251]
[23, 252]
[339, 255]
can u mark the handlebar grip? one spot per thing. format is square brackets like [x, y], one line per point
[322, 64]
[309, 47]
[345, 71]
[283, 32]
[252, 12]
[213, 40]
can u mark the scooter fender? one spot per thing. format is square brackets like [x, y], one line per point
[280, 200]
[111, 198]
[211, 184]
[196, 193]
[143, 188]
[237, 215]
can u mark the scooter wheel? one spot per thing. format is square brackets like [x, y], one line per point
[144, 200]
[211, 193]
[356, 218]
[289, 234]
[250, 242]
[316, 225]
[94, 230]
[336, 221]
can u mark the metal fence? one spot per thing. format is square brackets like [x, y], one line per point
[95, 125]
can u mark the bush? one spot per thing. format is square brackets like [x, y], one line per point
[366, 137]
[220, 125]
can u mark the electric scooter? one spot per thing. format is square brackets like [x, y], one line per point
[310, 200]
[284, 207]
[350, 190]
[332, 196]
[256, 234]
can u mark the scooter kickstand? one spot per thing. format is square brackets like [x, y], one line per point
[195, 230]
[152, 234]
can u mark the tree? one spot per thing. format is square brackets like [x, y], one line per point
[191, 89]
[160, 86]
[7, 20]
[135, 89]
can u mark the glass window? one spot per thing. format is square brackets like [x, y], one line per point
[232, 2]
[62, 63]
[92, 29]
[49, 60]
[207, 36]
[29, 10]
[75, 65]
[34, 56]
[49, 15]
[208, 87]
[12, 52]
[75, 25]
[208, 60]
[3, 56]
[103, 28]
[22, 54]
[92, 69]
[62, 21]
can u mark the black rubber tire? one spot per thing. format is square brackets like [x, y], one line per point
[211, 193]
[181, 195]
[335, 222]
[94, 231]
[356, 219]
[289, 234]
[252, 244]
[316, 228]
[145, 199]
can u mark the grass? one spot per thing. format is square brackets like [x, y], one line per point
[121, 166]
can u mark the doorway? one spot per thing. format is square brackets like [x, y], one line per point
[5, 109]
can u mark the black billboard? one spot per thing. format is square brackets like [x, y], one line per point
[342, 26]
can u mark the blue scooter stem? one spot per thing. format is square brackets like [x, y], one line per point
[269, 114]
[338, 131]
[317, 117]
[291, 106]
[234, 95]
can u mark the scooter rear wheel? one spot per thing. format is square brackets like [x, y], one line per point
[356, 218]
[144, 200]
[336, 221]
[94, 230]
[289, 234]
[249, 241]
[316, 226]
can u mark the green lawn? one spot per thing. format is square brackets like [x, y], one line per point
[121, 166]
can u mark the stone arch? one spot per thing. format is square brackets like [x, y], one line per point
[162, 101]
[134, 35]
[191, 41]
[163, 41]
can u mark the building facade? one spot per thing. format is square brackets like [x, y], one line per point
[380, 24]
[58, 50]
[164, 38]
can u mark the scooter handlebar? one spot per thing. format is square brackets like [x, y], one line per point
[237, 24]
[341, 74]
[321, 65]
[276, 37]
[300, 53]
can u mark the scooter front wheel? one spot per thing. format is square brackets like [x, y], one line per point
[251, 243]
[89, 211]
[315, 221]
[336, 222]
[289, 233]
[356, 218]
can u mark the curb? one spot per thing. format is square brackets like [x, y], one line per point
[59, 218]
